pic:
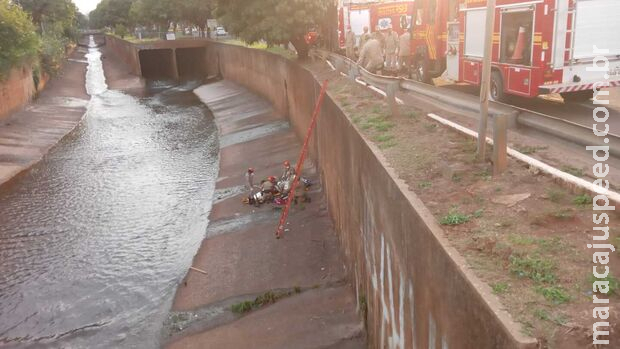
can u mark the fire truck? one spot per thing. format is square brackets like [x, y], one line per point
[539, 46]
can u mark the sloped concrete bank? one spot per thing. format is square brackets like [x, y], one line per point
[418, 291]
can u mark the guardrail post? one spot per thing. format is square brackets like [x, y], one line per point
[390, 94]
[500, 144]
[353, 72]
[341, 66]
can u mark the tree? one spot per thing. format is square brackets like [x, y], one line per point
[109, 13]
[196, 12]
[44, 12]
[275, 21]
[18, 39]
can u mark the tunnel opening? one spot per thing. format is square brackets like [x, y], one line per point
[191, 62]
[157, 64]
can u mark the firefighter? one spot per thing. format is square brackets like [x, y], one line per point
[249, 177]
[363, 39]
[404, 51]
[371, 57]
[289, 173]
[349, 43]
[391, 48]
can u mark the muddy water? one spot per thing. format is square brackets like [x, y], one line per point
[95, 237]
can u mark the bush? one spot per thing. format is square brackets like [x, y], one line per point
[52, 53]
[121, 31]
[18, 39]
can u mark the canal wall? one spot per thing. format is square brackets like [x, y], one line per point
[418, 290]
[18, 89]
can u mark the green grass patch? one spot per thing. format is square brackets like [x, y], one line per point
[563, 214]
[454, 218]
[612, 282]
[499, 287]
[555, 195]
[266, 298]
[534, 268]
[555, 294]
[428, 184]
[582, 200]
[383, 138]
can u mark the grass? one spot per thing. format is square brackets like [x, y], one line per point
[555, 294]
[533, 267]
[582, 200]
[612, 283]
[577, 172]
[499, 287]
[555, 195]
[266, 298]
[563, 214]
[426, 185]
[454, 218]
[530, 149]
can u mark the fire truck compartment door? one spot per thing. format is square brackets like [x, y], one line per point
[519, 81]
[596, 24]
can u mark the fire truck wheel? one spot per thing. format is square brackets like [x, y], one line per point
[496, 91]
[420, 71]
[577, 97]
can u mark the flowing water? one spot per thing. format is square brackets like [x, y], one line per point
[96, 236]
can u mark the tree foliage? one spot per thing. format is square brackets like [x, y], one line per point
[275, 21]
[18, 39]
[60, 14]
[109, 13]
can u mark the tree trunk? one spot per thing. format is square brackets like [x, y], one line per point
[301, 46]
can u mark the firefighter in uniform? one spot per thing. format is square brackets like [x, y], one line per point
[349, 43]
[391, 47]
[404, 51]
[371, 57]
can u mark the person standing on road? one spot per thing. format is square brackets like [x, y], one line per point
[391, 48]
[404, 51]
[363, 39]
[371, 56]
[349, 43]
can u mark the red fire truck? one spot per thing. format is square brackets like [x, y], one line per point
[539, 46]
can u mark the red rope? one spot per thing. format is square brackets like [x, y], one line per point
[300, 162]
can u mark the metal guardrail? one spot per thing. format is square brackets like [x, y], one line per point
[564, 129]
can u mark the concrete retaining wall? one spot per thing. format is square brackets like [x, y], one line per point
[418, 291]
[18, 89]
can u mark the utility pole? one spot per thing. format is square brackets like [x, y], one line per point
[486, 80]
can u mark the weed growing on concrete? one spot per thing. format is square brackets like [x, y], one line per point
[577, 172]
[499, 287]
[582, 200]
[455, 218]
[555, 294]
[456, 177]
[430, 127]
[266, 298]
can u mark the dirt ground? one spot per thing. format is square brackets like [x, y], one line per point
[521, 232]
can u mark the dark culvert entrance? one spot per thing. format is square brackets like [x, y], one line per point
[191, 62]
[157, 64]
